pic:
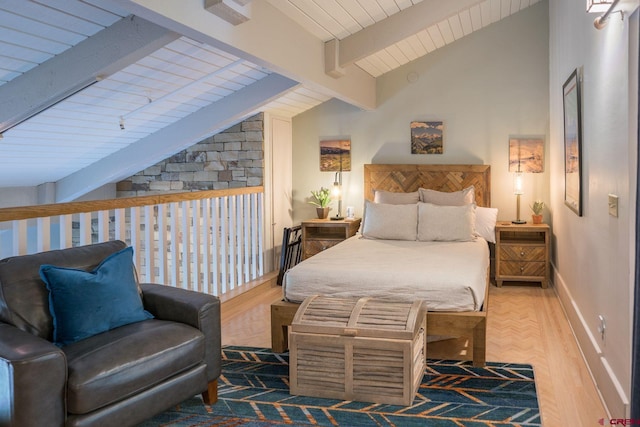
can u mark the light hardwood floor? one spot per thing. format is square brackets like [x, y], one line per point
[526, 324]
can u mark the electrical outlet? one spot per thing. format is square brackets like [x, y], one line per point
[602, 327]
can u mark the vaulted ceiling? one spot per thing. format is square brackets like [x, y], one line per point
[92, 91]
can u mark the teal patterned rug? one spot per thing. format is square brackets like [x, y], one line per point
[254, 391]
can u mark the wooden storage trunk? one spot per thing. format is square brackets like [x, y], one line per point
[358, 349]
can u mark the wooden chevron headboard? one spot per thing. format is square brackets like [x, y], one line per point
[407, 178]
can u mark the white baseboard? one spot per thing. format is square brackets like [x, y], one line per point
[614, 398]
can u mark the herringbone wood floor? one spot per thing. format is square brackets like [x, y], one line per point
[526, 324]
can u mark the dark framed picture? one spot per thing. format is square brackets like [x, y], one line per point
[335, 155]
[572, 105]
[426, 138]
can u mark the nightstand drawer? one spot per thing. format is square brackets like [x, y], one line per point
[315, 246]
[522, 252]
[321, 234]
[522, 268]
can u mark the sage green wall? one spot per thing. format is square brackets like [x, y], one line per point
[485, 87]
[594, 260]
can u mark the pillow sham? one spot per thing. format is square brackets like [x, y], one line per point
[486, 219]
[86, 303]
[390, 222]
[443, 198]
[393, 198]
[446, 223]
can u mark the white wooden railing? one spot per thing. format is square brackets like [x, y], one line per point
[210, 241]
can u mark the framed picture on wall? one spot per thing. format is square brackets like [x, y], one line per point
[426, 138]
[572, 106]
[526, 154]
[335, 155]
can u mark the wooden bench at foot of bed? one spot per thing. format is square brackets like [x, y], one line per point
[468, 324]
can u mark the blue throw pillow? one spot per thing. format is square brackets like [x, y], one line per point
[86, 303]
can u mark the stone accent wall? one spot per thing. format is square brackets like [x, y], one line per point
[230, 159]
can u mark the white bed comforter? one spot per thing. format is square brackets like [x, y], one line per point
[447, 276]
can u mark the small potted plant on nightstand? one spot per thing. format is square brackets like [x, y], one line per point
[537, 207]
[321, 200]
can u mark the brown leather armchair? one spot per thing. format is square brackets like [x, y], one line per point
[116, 378]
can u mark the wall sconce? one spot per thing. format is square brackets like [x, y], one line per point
[599, 6]
[518, 191]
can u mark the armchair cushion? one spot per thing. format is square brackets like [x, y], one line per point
[126, 361]
[86, 303]
[199, 310]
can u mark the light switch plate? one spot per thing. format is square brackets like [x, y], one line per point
[613, 205]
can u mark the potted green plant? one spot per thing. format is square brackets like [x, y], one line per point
[537, 207]
[321, 200]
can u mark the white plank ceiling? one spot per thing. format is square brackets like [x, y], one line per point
[338, 19]
[175, 80]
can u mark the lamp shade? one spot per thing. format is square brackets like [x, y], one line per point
[337, 194]
[517, 184]
[336, 191]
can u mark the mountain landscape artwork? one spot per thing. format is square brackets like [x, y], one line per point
[426, 138]
[335, 155]
[526, 155]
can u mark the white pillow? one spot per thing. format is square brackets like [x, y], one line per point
[486, 219]
[446, 223]
[391, 222]
[393, 198]
[443, 198]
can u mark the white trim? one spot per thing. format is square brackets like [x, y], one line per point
[611, 393]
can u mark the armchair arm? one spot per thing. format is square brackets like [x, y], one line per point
[33, 372]
[202, 311]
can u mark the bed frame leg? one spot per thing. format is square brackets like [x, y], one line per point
[282, 314]
[480, 343]
[279, 338]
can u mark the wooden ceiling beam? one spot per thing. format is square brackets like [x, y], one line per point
[96, 57]
[340, 54]
[269, 39]
[166, 142]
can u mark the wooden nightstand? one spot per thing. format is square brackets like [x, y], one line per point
[320, 234]
[522, 253]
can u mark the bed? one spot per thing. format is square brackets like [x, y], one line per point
[360, 267]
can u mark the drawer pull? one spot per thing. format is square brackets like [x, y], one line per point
[324, 247]
[521, 269]
[521, 253]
